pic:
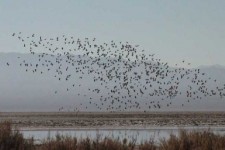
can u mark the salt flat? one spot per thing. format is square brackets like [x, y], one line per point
[104, 120]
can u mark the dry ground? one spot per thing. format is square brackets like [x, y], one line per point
[112, 120]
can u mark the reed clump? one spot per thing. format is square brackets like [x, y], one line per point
[11, 139]
[70, 143]
[193, 140]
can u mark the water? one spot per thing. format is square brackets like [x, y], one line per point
[139, 135]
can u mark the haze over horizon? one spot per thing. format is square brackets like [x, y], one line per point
[152, 48]
[22, 90]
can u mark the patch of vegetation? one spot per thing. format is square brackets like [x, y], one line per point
[13, 140]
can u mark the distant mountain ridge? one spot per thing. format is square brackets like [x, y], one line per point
[27, 91]
[212, 66]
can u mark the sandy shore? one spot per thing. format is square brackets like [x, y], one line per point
[95, 120]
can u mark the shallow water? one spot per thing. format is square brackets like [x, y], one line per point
[139, 135]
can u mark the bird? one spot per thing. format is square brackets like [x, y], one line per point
[122, 70]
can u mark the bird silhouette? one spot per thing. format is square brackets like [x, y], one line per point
[126, 78]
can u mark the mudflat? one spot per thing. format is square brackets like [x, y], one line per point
[90, 120]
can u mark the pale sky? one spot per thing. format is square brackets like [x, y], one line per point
[174, 30]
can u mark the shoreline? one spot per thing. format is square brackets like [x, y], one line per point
[217, 128]
[113, 120]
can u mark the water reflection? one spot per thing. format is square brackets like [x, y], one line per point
[139, 135]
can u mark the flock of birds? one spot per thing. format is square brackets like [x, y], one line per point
[126, 78]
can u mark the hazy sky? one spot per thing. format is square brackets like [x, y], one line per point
[174, 30]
